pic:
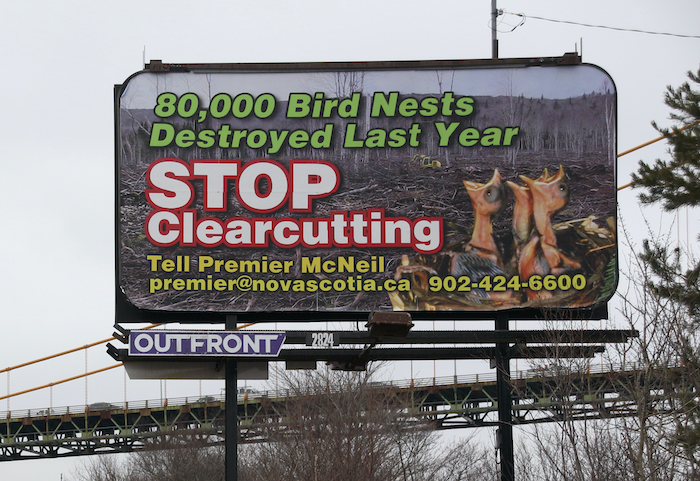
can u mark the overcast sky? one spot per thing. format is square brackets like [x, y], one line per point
[60, 61]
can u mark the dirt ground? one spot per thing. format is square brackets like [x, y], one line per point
[400, 186]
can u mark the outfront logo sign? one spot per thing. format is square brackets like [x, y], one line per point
[418, 189]
[205, 343]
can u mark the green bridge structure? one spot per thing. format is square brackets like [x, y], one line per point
[538, 396]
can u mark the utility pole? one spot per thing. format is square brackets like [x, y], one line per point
[494, 21]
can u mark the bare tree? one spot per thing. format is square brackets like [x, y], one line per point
[338, 426]
[188, 456]
[333, 426]
[102, 468]
[180, 457]
[645, 429]
[516, 111]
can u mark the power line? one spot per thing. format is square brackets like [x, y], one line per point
[619, 29]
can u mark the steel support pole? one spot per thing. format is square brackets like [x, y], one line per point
[494, 24]
[505, 420]
[231, 414]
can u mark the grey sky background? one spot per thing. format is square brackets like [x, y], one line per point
[60, 61]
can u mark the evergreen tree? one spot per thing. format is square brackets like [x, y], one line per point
[676, 183]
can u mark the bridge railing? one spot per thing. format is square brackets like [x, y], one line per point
[547, 371]
[82, 409]
[543, 371]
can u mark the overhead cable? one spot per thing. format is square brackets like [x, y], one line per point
[619, 29]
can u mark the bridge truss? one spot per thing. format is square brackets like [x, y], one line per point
[448, 403]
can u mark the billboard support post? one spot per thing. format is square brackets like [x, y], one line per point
[231, 413]
[505, 424]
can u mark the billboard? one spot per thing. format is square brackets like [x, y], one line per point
[294, 189]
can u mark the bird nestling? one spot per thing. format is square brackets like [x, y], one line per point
[522, 216]
[482, 256]
[528, 258]
[488, 200]
[549, 196]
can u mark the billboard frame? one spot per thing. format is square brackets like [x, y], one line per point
[125, 312]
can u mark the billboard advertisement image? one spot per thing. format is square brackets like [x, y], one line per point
[363, 189]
